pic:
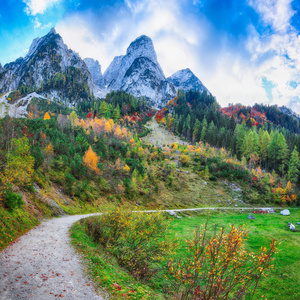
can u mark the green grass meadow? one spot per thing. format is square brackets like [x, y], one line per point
[281, 283]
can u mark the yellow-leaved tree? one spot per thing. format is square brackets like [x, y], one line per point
[73, 118]
[108, 127]
[19, 166]
[91, 160]
[47, 116]
[289, 186]
[126, 168]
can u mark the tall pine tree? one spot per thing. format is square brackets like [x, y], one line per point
[283, 153]
[204, 130]
[294, 164]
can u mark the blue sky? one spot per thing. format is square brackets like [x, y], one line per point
[244, 51]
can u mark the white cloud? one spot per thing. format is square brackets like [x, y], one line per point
[37, 24]
[34, 7]
[276, 13]
[275, 57]
[184, 41]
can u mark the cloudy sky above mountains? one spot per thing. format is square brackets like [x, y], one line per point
[244, 51]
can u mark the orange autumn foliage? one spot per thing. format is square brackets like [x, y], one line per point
[101, 126]
[47, 116]
[91, 160]
[289, 186]
[49, 149]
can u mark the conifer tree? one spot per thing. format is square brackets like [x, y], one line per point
[250, 145]
[103, 109]
[294, 164]
[283, 153]
[240, 133]
[263, 144]
[204, 130]
[211, 137]
[116, 113]
[187, 126]
[273, 149]
[197, 131]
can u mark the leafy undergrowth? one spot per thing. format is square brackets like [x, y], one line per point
[39, 106]
[104, 269]
[39, 204]
[15, 223]
[280, 284]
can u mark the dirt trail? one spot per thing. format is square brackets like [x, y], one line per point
[42, 265]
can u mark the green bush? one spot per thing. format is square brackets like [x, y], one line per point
[69, 183]
[12, 200]
[137, 240]
[213, 178]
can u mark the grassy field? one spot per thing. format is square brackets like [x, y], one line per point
[160, 135]
[281, 284]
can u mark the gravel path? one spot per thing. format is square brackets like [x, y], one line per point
[42, 265]
[241, 208]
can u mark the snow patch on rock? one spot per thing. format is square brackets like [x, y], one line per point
[19, 108]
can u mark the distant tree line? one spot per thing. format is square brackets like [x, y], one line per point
[197, 117]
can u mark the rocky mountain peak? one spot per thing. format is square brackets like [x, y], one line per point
[48, 59]
[52, 31]
[95, 69]
[186, 80]
[51, 38]
[142, 47]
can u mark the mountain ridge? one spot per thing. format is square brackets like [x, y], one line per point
[47, 57]
[54, 70]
